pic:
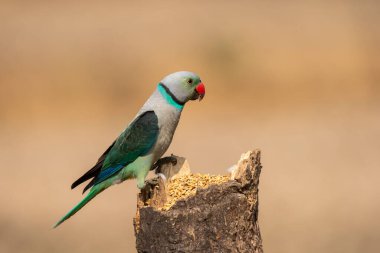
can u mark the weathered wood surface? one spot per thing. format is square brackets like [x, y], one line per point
[220, 218]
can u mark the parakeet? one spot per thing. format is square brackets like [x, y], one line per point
[145, 140]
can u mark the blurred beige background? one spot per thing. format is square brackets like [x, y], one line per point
[301, 81]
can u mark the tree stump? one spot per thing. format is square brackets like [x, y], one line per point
[222, 217]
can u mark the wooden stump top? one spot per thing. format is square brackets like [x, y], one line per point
[219, 217]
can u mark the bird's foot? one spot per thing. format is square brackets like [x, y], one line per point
[168, 159]
[162, 176]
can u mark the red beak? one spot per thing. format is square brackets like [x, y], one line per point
[201, 90]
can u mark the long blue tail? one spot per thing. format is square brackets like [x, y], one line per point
[93, 192]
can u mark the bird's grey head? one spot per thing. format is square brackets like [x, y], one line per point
[183, 86]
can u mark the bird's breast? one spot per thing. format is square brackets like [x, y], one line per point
[168, 122]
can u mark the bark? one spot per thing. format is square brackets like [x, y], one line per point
[220, 218]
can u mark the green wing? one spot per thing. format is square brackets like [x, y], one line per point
[137, 140]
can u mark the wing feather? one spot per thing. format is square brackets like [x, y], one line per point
[137, 140]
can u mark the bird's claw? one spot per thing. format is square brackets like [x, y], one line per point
[162, 176]
[168, 159]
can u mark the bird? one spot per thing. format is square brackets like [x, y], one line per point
[139, 148]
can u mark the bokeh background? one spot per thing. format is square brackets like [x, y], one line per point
[299, 80]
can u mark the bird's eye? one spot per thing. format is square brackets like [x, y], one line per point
[190, 81]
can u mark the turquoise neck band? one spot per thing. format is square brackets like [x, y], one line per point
[169, 97]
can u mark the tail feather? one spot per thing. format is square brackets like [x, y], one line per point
[94, 191]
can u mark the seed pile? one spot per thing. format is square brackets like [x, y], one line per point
[185, 186]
